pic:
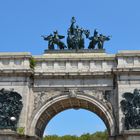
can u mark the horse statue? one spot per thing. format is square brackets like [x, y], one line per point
[75, 39]
[71, 41]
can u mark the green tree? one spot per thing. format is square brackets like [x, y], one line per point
[87, 136]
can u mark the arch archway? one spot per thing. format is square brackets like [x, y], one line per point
[74, 122]
[63, 102]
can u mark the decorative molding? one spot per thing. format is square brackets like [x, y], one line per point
[41, 97]
[72, 93]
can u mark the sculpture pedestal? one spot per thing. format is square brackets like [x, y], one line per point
[12, 135]
[132, 134]
[7, 135]
[127, 135]
[76, 51]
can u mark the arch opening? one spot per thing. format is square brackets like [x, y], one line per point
[59, 104]
[74, 123]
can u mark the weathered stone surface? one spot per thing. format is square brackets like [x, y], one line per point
[59, 81]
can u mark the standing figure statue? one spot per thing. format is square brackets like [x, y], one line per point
[72, 27]
[72, 36]
[79, 38]
[101, 40]
[94, 40]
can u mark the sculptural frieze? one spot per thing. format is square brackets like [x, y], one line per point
[76, 38]
[40, 98]
[100, 95]
[130, 106]
[10, 108]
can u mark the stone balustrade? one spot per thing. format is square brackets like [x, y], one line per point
[71, 63]
[14, 61]
[74, 63]
[128, 59]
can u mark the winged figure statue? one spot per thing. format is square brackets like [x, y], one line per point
[53, 39]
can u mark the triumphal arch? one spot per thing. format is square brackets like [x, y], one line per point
[106, 84]
[35, 88]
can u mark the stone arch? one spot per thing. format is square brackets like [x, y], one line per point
[63, 102]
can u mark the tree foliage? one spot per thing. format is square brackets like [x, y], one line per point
[87, 136]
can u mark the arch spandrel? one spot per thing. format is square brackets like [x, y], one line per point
[68, 101]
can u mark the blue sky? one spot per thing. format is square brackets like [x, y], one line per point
[75, 122]
[22, 22]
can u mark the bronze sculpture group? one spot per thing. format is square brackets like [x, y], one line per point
[10, 108]
[76, 38]
[130, 106]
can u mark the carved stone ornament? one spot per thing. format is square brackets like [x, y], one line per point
[130, 106]
[10, 108]
[41, 97]
[72, 93]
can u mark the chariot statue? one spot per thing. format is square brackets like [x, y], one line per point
[75, 39]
